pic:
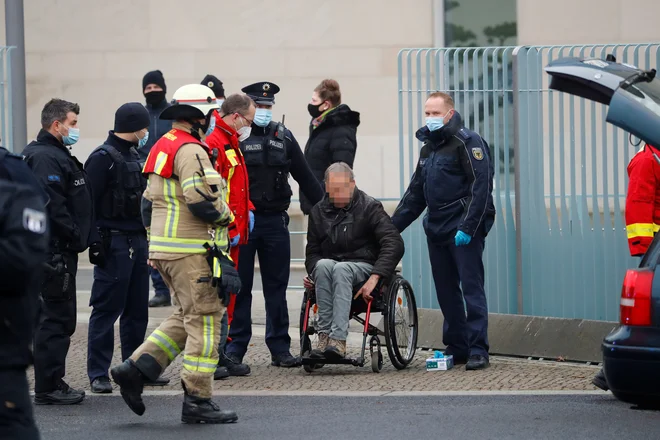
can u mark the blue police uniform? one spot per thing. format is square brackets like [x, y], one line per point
[271, 153]
[454, 180]
[121, 279]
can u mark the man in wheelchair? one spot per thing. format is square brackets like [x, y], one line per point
[350, 240]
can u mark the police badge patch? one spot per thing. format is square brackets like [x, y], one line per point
[34, 221]
[478, 153]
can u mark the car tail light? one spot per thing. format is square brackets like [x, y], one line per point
[636, 298]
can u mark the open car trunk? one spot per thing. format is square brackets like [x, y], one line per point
[633, 95]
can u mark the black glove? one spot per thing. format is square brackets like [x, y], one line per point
[97, 254]
[230, 282]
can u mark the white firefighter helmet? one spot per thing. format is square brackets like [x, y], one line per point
[191, 101]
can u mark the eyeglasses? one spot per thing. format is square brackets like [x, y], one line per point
[249, 122]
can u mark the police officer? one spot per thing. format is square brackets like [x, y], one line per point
[23, 247]
[154, 90]
[454, 179]
[121, 275]
[270, 152]
[70, 214]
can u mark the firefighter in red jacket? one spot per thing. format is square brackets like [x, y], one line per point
[643, 200]
[232, 125]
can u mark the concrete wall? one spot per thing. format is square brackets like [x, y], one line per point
[587, 21]
[95, 53]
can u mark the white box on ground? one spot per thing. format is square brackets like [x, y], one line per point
[440, 364]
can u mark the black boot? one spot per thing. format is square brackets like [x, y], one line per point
[101, 385]
[160, 382]
[234, 365]
[285, 360]
[160, 301]
[197, 410]
[63, 395]
[131, 384]
[477, 362]
[220, 373]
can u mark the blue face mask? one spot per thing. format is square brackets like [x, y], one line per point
[435, 123]
[72, 137]
[219, 101]
[263, 116]
[142, 142]
[211, 127]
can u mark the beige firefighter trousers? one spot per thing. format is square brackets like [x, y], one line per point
[194, 326]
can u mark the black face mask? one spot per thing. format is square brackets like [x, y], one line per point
[155, 97]
[314, 110]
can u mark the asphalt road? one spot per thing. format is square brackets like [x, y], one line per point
[379, 418]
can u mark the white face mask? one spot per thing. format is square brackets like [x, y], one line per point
[244, 133]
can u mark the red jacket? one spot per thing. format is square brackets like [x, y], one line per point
[161, 156]
[231, 166]
[643, 200]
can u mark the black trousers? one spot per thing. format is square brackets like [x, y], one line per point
[56, 324]
[16, 416]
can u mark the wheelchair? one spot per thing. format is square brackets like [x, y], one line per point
[395, 300]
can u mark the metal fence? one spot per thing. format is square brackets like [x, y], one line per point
[5, 98]
[558, 247]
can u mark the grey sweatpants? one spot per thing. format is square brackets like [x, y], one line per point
[334, 282]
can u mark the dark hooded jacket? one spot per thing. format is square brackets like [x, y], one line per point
[333, 140]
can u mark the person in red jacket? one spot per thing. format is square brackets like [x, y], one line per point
[235, 116]
[642, 211]
[643, 200]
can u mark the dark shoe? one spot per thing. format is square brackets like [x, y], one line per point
[64, 395]
[196, 410]
[233, 365]
[160, 382]
[477, 362]
[600, 381]
[131, 384]
[221, 373]
[284, 360]
[101, 385]
[160, 301]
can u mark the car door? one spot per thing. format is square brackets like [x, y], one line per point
[633, 95]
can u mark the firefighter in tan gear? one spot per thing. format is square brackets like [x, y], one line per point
[186, 216]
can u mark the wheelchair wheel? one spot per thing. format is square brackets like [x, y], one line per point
[401, 326]
[308, 339]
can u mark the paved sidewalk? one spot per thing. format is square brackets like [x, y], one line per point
[504, 373]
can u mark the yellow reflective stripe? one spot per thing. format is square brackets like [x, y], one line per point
[172, 219]
[177, 248]
[211, 173]
[217, 270]
[165, 343]
[199, 364]
[231, 174]
[161, 160]
[189, 182]
[208, 336]
[179, 240]
[642, 230]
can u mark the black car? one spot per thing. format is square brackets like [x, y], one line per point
[631, 352]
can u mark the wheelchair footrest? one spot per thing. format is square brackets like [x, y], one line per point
[323, 361]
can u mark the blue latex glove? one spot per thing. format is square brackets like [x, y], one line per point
[251, 220]
[461, 238]
[234, 241]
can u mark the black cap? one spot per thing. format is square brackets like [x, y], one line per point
[213, 83]
[262, 92]
[131, 117]
[154, 77]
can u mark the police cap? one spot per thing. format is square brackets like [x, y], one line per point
[262, 92]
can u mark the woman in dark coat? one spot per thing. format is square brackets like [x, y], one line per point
[332, 133]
